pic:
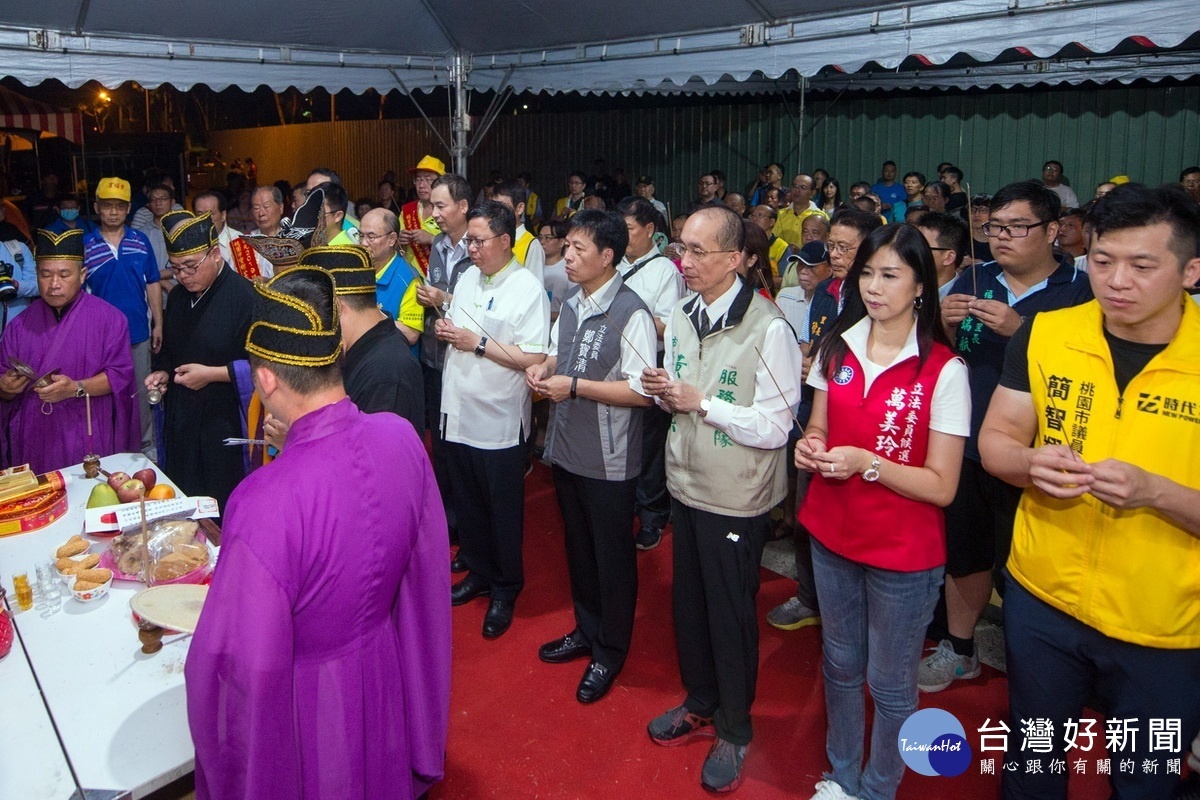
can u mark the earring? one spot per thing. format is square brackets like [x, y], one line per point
[917, 303]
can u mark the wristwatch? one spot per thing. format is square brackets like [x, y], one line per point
[481, 348]
[705, 406]
[79, 390]
[872, 472]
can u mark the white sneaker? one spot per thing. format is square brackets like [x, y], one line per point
[943, 667]
[830, 790]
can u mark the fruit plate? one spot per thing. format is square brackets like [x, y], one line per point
[173, 608]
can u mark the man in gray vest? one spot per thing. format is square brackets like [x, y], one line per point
[450, 199]
[732, 377]
[598, 346]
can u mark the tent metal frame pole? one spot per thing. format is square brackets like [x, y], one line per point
[404, 88]
[800, 126]
[460, 120]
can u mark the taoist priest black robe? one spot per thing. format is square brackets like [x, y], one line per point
[208, 329]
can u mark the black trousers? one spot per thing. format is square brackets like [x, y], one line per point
[716, 622]
[433, 415]
[601, 561]
[489, 503]
[653, 500]
[806, 584]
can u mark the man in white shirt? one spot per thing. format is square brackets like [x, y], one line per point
[248, 262]
[267, 206]
[498, 325]
[1052, 172]
[657, 281]
[947, 237]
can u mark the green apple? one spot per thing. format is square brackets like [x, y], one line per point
[102, 495]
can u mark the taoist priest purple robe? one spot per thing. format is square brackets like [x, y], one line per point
[321, 664]
[91, 337]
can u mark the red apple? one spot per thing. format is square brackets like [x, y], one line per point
[146, 476]
[115, 479]
[130, 490]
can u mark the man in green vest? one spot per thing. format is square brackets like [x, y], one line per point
[731, 378]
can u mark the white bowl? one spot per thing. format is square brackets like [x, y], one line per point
[90, 594]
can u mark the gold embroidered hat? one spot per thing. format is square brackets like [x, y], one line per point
[288, 330]
[65, 246]
[348, 264]
[187, 233]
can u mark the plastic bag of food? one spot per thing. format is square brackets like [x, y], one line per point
[177, 550]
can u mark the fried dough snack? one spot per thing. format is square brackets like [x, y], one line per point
[73, 547]
[69, 566]
[94, 576]
[85, 586]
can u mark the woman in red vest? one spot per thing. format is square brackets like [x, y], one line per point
[885, 441]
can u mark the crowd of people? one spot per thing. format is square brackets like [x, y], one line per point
[926, 390]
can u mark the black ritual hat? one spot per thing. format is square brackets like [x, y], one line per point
[348, 264]
[288, 330]
[65, 246]
[187, 233]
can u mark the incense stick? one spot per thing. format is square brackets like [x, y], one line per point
[779, 389]
[970, 217]
[492, 339]
[1054, 406]
[618, 327]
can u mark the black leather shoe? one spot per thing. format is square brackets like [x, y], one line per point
[567, 648]
[458, 563]
[499, 616]
[468, 589]
[597, 680]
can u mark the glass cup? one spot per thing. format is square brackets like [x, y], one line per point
[23, 590]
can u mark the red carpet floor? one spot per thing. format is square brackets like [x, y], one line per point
[516, 730]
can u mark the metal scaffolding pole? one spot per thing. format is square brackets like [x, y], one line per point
[461, 119]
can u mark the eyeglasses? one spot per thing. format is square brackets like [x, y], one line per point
[1015, 231]
[840, 248]
[188, 269]
[708, 183]
[370, 237]
[472, 242]
[423, 179]
[696, 252]
[546, 236]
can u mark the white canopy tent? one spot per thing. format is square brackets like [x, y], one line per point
[605, 46]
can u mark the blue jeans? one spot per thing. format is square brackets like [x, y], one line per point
[873, 627]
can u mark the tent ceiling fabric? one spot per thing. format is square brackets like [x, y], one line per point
[540, 45]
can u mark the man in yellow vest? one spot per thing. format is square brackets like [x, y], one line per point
[417, 225]
[1097, 417]
[526, 247]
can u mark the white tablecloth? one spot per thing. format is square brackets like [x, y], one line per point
[122, 715]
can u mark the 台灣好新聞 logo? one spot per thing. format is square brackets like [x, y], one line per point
[933, 742]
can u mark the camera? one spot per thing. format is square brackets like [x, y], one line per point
[8, 289]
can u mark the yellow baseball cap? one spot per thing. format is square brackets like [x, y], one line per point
[113, 189]
[429, 164]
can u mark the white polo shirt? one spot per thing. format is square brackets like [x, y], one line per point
[485, 403]
[657, 281]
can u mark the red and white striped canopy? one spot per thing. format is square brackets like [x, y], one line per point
[22, 113]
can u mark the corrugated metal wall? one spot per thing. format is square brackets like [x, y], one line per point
[1147, 133]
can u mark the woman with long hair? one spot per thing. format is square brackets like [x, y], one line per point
[890, 417]
[831, 196]
[756, 267]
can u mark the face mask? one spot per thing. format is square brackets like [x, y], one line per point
[69, 214]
